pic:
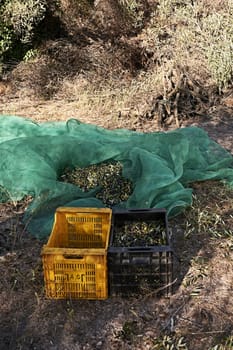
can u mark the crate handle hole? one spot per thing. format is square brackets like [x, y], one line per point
[138, 210]
[140, 249]
[72, 256]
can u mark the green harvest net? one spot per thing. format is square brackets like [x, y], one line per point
[161, 165]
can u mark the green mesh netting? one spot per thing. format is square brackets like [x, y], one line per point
[160, 165]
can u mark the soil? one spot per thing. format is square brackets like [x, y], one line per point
[31, 321]
[199, 313]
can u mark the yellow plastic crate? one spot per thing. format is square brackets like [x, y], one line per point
[75, 257]
[81, 228]
[75, 273]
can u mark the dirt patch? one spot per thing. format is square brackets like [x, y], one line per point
[198, 315]
[116, 77]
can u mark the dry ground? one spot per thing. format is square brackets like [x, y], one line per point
[199, 314]
[119, 81]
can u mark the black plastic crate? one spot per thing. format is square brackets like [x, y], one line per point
[140, 266]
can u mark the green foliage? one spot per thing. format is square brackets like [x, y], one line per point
[167, 7]
[30, 55]
[133, 9]
[24, 16]
[130, 5]
[218, 35]
[226, 345]
[194, 27]
[6, 38]
[167, 342]
[18, 21]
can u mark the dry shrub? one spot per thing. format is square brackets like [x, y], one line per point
[75, 14]
[108, 17]
[85, 53]
[43, 76]
[161, 97]
[122, 103]
[104, 18]
[62, 60]
[201, 29]
[119, 17]
[182, 97]
[163, 71]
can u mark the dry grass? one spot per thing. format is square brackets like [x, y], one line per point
[207, 229]
[198, 316]
[117, 79]
[99, 75]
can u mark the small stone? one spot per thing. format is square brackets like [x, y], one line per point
[150, 334]
[99, 344]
